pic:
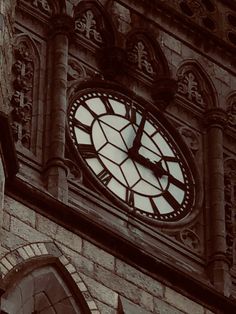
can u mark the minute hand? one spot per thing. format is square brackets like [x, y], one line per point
[139, 133]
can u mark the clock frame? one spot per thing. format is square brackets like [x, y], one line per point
[97, 110]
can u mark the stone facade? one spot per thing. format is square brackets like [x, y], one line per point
[61, 231]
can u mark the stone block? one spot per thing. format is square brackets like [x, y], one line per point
[20, 211]
[101, 292]
[69, 239]
[147, 301]
[172, 43]
[105, 309]
[6, 221]
[138, 278]
[128, 307]
[11, 241]
[161, 307]
[81, 263]
[26, 232]
[116, 283]
[182, 303]
[98, 255]
[46, 226]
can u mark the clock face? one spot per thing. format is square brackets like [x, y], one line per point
[132, 155]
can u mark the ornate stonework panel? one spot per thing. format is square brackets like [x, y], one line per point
[23, 73]
[230, 206]
[188, 86]
[42, 5]
[231, 110]
[139, 57]
[87, 25]
[191, 138]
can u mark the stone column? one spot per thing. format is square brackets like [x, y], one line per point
[56, 171]
[217, 264]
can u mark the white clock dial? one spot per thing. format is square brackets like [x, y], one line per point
[132, 155]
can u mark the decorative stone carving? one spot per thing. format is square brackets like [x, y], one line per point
[21, 101]
[139, 57]
[43, 5]
[87, 26]
[191, 138]
[188, 86]
[190, 239]
[231, 110]
[230, 206]
[75, 70]
[74, 172]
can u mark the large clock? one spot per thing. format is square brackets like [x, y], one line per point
[131, 155]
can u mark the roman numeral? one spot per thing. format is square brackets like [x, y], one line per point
[84, 127]
[87, 151]
[130, 198]
[171, 200]
[130, 113]
[105, 176]
[108, 106]
[154, 206]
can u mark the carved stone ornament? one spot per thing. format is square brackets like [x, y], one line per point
[190, 239]
[21, 101]
[75, 70]
[139, 57]
[73, 171]
[230, 206]
[42, 5]
[191, 138]
[231, 110]
[87, 26]
[189, 87]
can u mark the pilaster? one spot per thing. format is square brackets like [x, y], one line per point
[216, 120]
[56, 171]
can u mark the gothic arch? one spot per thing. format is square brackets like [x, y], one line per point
[93, 24]
[145, 55]
[195, 86]
[45, 258]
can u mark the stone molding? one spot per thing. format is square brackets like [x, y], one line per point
[216, 117]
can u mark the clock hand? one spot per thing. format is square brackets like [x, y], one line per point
[139, 133]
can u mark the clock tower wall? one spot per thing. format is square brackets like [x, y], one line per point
[61, 213]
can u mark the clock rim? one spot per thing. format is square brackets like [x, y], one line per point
[93, 85]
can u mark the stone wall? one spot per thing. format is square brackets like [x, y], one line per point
[104, 279]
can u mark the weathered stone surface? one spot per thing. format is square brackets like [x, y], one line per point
[117, 283]
[138, 278]
[46, 226]
[82, 263]
[129, 307]
[66, 237]
[26, 232]
[20, 211]
[101, 292]
[98, 255]
[182, 302]
[105, 309]
[161, 307]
